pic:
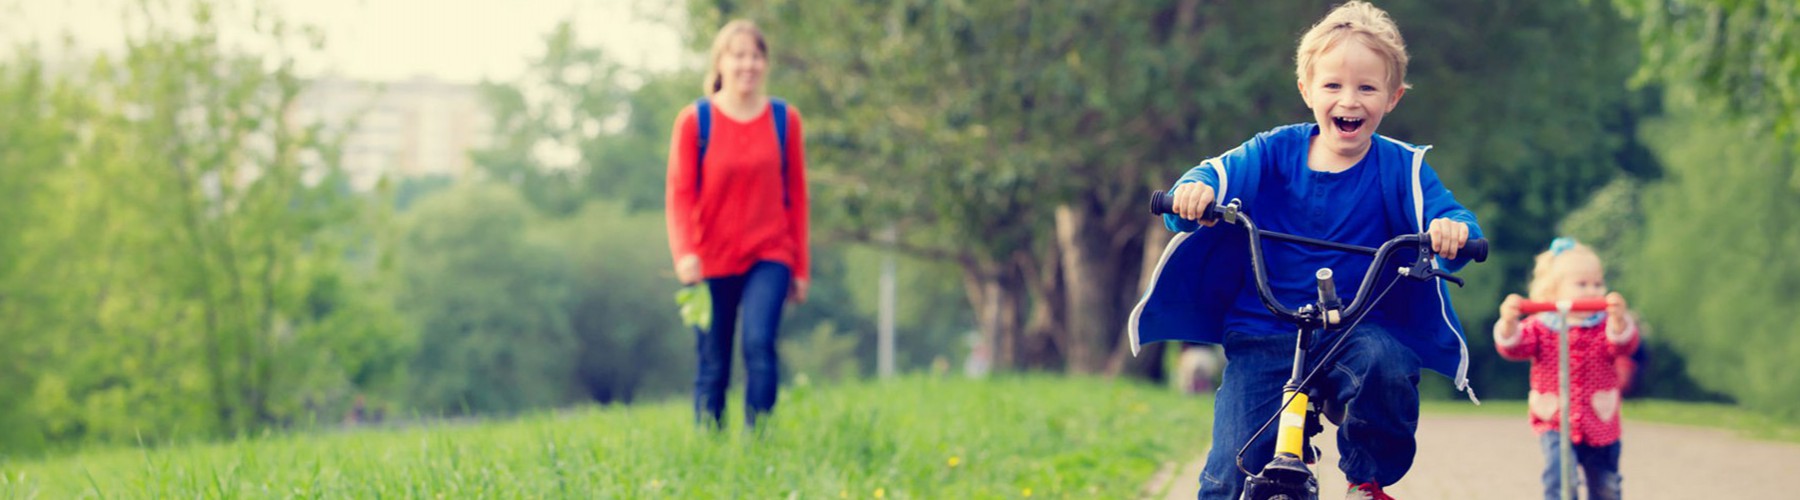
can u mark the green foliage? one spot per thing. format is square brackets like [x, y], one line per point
[695, 303]
[575, 127]
[822, 356]
[491, 304]
[1741, 54]
[997, 115]
[180, 268]
[908, 438]
[33, 138]
[932, 318]
[1716, 263]
[631, 343]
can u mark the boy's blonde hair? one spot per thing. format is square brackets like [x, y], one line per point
[1544, 277]
[1360, 21]
[714, 82]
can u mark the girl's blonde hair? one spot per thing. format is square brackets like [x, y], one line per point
[714, 82]
[1544, 277]
[1362, 22]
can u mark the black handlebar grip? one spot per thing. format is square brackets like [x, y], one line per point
[1162, 203]
[1476, 249]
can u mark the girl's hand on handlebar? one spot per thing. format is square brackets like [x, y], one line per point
[1509, 309]
[1508, 328]
[1192, 200]
[1615, 314]
[1448, 236]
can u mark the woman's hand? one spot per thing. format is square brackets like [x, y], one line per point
[688, 269]
[1448, 236]
[1192, 201]
[797, 291]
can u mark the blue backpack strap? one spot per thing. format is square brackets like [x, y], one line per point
[781, 116]
[703, 111]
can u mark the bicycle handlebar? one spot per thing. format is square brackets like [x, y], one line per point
[1161, 203]
[1578, 305]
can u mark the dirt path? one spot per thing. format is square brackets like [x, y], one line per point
[1484, 457]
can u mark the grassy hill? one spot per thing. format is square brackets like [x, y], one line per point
[916, 437]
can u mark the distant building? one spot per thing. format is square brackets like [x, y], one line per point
[415, 128]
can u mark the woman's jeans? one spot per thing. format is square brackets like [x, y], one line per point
[1375, 377]
[1600, 464]
[759, 294]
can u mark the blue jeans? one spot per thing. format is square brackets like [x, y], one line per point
[1600, 464]
[759, 293]
[1375, 377]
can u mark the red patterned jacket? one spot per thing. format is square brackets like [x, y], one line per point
[1593, 381]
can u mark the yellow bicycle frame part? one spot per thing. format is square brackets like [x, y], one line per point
[1290, 438]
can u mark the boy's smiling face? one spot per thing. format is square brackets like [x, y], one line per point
[1349, 92]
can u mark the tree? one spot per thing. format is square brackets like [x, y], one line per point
[575, 127]
[1019, 139]
[33, 139]
[491, 304]
[185, 269]
[1740, 54]
[1716, 259]
[630, 343]
[1731, 72]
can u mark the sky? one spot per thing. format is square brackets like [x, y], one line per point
[386, 40]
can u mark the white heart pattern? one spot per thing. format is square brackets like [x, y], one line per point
[1543, 405]
[1606, 404]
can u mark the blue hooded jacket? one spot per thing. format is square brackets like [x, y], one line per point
[1204, 271]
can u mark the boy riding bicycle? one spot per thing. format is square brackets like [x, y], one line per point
[1336, 180]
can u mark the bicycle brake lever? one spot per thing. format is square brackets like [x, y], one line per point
[1448, 277]
[1423, 270]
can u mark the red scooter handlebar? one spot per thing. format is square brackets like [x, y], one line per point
[1578, 305]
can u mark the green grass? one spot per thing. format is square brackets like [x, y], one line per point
[916, 437]
[1745, 423]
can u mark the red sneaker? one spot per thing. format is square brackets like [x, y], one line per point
[1367, 491]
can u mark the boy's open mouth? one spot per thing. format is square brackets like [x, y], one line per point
[1347, 125]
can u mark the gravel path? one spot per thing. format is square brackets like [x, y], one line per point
[1485, 457]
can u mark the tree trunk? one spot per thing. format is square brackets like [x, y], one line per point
[1148, 362]
[1101, 245]
[1088, 263]
[1044, 345]
[998, 302]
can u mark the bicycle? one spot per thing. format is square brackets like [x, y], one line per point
[1563, 307]
[1288, 475]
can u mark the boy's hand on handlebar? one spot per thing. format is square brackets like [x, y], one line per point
[1448, 236]
[1192, 200]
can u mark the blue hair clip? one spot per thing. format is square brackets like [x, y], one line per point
[1561, 244]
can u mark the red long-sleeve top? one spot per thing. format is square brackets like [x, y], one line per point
[1594, 384]
[738, 217]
